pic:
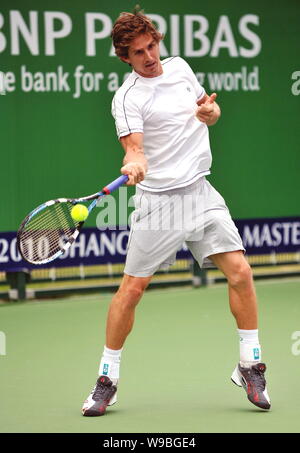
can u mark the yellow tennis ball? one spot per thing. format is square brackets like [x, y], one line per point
[79, 213]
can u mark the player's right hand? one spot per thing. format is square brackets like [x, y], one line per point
[135, 171]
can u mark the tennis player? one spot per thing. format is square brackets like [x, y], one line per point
[162, 115]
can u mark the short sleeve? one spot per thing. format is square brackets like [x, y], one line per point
[127, 113]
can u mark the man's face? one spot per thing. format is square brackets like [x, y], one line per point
[143, 55]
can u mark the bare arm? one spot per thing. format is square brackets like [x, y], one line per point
[208, 110]
[134, 162]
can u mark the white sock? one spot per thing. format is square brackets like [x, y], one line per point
[110, 364]
[250, 350]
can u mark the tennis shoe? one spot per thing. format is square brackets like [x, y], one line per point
[102, 395]
[254, 383]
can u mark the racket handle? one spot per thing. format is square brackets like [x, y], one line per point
[114, 185]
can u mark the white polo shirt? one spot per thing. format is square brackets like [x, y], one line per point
[176, 143]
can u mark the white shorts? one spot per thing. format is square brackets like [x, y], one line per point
[162, 222]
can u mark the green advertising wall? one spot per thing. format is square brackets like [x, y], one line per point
[57, 132]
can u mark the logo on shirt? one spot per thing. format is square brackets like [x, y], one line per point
[188, 89]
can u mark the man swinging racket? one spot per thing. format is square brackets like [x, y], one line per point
[162, 115]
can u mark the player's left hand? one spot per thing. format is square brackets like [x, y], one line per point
[206, 112]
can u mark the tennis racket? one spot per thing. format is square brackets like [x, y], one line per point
[49, 230]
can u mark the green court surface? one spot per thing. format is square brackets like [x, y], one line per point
[176, 365]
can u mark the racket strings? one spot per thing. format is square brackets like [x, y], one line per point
[47, 232]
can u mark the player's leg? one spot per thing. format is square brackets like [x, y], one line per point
[242, 296]
[222, 243]
[119, 324]
[122, 309]
[249, 373]
[150, 247]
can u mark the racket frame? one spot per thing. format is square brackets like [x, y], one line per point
[94, 197]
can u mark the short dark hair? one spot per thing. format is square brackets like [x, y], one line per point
[127, 27]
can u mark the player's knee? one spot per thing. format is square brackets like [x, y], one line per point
[130, 293]
[134, 293]
[241, 276]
